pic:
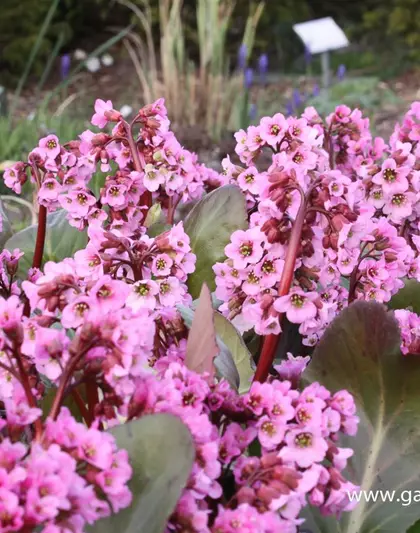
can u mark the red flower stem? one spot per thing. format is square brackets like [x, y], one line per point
[271, 341]
[40, 237]
[42, 226]
[68, 371]
[172, 208]
[146, 197]
[82, 407]
[23, 378]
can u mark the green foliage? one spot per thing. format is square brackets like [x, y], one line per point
[360, 352]
[161, 452]
[17, 140]
[240, 353]
[209, 225]
[415, 528]
[398, 22]
[6, 231]
[408, 297]
[62, 240]
[363, 92]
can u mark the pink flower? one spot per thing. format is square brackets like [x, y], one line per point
[250, 180]
[78, 202]
[270, 431]
[292, 368]
[110, 294]
[50, 146]
[143, 295]
[103, 111]
[304, 447]
[298, 305]
[399, 206]
[272, 129]
[74, 314]
[245, 247]
[153, 178]
[95, 447]
[89, 262]
[162, 265]
[11, 512]
[392, 178]
[50, 352]
[170, 291]
[12, 177]
[18, 412]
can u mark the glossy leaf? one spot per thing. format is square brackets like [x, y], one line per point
[161, 453]
[360, 352]
[240, 354]
[61, 241]
[408, 297]
[209, 225]
[201, 344]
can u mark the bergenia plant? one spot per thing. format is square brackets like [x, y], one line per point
[184, 351]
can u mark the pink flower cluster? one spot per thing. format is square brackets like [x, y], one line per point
[114, 324]
[333, 217]
[73, 478]
[339, 208]
[150, 162]
[300, 461]
[410, 331]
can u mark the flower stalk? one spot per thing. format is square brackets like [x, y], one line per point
[271, 341]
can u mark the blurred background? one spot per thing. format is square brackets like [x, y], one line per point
[220, 64]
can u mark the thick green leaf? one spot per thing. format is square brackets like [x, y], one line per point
[209, 225]
[6, 231]
[360, 352]
[415, 528]
[240, 354]
[202, 347]
[61, 241]
[408, 297]
[161, 453]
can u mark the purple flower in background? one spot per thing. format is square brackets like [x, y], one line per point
[253, 112]
[308, 56]
[297, 99]
[249, 76]
[341, 72]
[263, 66]
[65, 66]
[315, 91]
[289, 109]
[242, 56]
